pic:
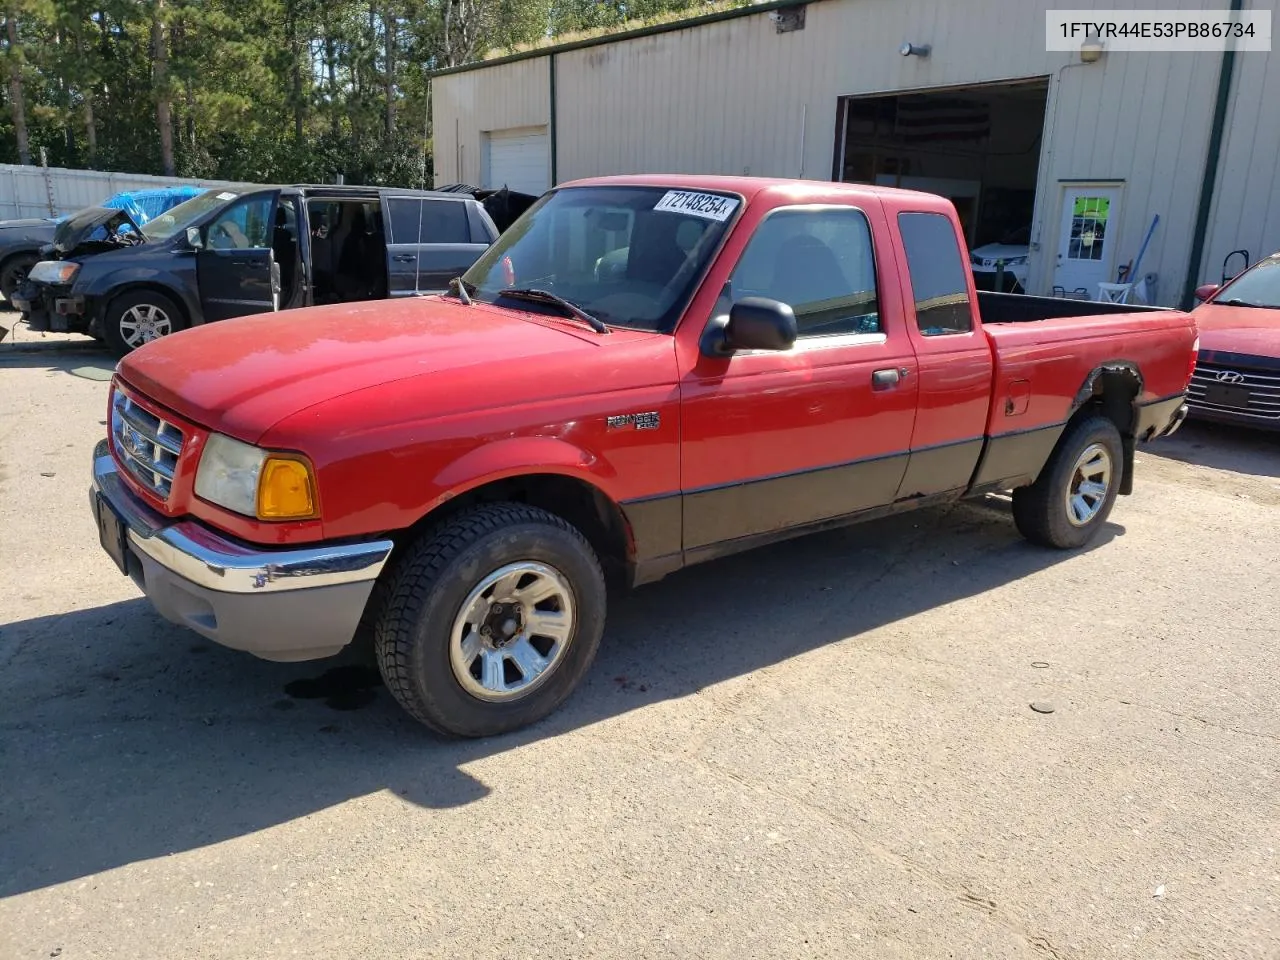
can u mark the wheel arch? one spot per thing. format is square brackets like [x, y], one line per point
[1112, 390]
[117, 291]
[556, 484]
[22, 253]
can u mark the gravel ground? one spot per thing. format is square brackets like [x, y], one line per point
[822, 749]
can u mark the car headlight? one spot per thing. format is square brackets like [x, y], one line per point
[54, 271]
[255, 482]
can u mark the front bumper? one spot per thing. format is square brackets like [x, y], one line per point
[52, 308]
[299, 604]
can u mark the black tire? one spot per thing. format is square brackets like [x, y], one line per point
[144, 301]
[1042, 511]
[12, 274]
[414, 628]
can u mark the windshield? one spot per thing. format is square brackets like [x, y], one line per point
[627, 255]
[180, 217]
[1258, 286]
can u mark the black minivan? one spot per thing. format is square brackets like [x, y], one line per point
[235, 251]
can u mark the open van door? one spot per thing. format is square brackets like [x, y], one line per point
[235, 269]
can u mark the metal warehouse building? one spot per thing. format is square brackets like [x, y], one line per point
[1070, 154]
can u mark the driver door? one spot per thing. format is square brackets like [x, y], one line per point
[235, 270]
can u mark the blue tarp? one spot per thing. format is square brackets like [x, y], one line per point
[144, 205]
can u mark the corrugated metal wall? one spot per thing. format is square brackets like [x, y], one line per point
[467, 105]
[738, 97]
[50, 191]
[1246, 209]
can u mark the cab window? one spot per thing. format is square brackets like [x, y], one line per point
[818, 262]
[937, 273]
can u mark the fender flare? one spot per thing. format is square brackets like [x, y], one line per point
[1089, 390]
[516, 457]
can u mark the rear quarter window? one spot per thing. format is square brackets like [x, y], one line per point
[936, 269]
[444, 221]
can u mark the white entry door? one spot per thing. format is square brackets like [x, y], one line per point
[1090, 227]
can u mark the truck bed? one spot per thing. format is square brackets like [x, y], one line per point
[1021, 308]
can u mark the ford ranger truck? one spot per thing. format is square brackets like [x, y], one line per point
[641, 374]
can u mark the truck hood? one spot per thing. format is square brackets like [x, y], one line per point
[242, 376]
[92, 227]
[1250, 331]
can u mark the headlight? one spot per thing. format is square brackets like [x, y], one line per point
[251, 481]
[54, 271]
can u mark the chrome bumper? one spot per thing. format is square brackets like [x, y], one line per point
[278, 604]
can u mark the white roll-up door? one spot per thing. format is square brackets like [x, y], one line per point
[519, 159]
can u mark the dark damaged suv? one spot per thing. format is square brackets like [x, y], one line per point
[236, 251]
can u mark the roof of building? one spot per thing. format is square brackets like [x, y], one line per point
[643, 31]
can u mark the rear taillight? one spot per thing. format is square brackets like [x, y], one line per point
[1195, 357]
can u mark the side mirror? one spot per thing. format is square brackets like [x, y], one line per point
[757, 323]
[194, 240]
[1206, 290]
[753, 323]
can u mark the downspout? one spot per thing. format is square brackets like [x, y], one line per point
[551, 125]
[1216, 132]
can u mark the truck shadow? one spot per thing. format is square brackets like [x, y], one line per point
[127, 738]
[1222, 447]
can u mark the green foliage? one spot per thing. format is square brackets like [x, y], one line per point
[276, 91]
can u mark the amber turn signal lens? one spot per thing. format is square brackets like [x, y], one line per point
[286, 490]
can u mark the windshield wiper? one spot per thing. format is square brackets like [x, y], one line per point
[1237, 302]
[460, 285]
[546, 296]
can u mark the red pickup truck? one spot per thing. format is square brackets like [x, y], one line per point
[642, 373]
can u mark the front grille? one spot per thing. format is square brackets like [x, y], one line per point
[1241, 392]
[146, 445]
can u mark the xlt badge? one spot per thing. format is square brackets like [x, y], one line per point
[649, 420]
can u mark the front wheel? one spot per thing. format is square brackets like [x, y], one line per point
[490, 621]
[13, 274]
[137, 318]
[1074, 494]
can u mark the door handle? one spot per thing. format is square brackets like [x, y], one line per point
[404, 258]
[887, 379]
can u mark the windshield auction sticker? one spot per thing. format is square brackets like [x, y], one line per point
[709, 206]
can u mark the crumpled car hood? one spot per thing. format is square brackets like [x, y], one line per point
[91, 224]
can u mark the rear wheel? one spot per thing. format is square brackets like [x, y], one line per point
[490, 621]
[13, 273]
[1074, 494]
[137, 318]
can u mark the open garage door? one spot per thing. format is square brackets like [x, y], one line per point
[519, 159]
[978, 146]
